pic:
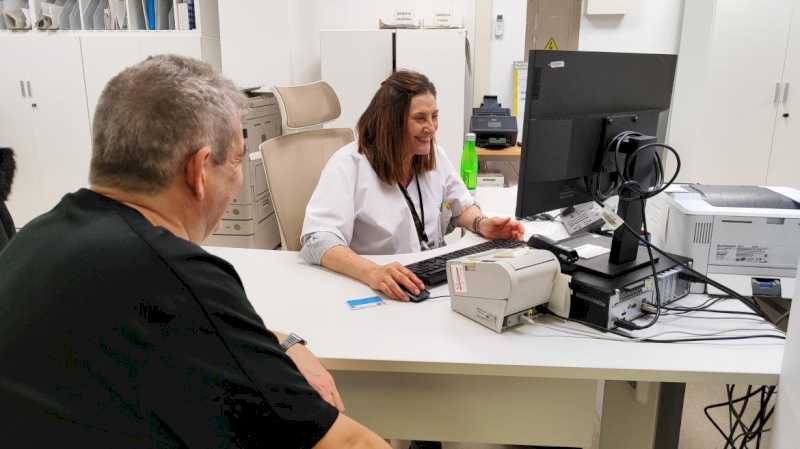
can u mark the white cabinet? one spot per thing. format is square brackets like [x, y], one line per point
[355, 62]
[49, 128]
[256, 39]
[784, 162]
[106, 55]
[726, 120]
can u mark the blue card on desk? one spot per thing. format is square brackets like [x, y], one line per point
[363, 303]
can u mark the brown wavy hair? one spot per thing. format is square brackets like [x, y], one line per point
[381, 128]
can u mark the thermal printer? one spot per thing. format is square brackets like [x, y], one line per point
[498, 287]
[746, 237]
[493, 125]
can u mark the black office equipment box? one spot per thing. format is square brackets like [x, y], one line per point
[493, 125]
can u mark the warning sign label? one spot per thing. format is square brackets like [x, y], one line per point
[551, 44]
[742, 254]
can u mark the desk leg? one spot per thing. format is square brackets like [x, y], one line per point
[636, 420]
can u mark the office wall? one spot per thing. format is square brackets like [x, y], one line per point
[652, 26]
[310, 16]
[506, 49]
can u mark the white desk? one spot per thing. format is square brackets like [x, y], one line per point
[421, 371]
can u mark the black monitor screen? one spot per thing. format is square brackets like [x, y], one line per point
[570, 96]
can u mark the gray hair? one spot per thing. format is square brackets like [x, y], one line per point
[152, 116]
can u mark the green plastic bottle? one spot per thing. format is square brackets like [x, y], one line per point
[469, 163]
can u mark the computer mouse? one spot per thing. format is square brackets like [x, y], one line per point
[422, 296]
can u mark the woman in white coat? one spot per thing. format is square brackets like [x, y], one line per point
[392, 191]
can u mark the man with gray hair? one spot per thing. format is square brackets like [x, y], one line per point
[117, 329]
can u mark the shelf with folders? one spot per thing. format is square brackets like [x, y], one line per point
[99, 15]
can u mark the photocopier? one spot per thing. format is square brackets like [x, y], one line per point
[746, 237]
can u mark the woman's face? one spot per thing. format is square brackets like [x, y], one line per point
[421, 124]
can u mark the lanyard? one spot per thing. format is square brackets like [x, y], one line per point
[419, 224]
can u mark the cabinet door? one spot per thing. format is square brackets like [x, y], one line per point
[256, 40]
[440, 55]
[784, 163]
[60, 121]
[16, 126]
[105, 55]
[723, 113]
[354, 78]
[176, 45]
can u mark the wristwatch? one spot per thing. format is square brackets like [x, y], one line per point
[292, 340]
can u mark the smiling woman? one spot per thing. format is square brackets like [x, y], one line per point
[393, 191]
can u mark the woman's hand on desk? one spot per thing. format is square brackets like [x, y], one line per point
[316, 375]
[501, 228]
[389, 278]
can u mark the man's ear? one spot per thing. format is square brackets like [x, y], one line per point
[195, 171]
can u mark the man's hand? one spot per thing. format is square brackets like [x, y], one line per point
[316, 375]
[389, 279]
[501, 228]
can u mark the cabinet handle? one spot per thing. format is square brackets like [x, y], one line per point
[22, 88]
[777, 93]
[30, 94]
[785, 93]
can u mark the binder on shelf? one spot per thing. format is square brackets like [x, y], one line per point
[182, 16]
[49, 16]
[136, 18]
[16, 15]
[98, 18]
[2, 21]
[149, 8]
[63, 18]
[162, 8]
[75, 17]
[171, 18]
[118, 15]
[190, 8]
[88, 14]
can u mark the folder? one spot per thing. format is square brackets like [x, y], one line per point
[183, 16]
[88, 14]
[149, 8]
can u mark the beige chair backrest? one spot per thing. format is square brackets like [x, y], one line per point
[306, 105]
[294, 161]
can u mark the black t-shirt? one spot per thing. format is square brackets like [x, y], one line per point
[116, 333]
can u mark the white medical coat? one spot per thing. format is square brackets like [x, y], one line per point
[373, 217]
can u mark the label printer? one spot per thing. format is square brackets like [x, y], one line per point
[498, 287]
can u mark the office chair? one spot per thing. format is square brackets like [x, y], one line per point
[293, 161]
[7, 168]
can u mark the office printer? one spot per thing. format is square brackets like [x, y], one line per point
[493, 125]
[746, 237]
[497, 287]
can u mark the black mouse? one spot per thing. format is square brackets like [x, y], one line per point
[422, 296]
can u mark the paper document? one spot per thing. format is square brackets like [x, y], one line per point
[589, 251]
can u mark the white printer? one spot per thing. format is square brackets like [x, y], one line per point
[497, 287]
[746, 237]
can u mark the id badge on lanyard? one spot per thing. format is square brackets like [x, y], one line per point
[419, 222]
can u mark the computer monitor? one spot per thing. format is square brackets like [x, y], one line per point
[575, 103]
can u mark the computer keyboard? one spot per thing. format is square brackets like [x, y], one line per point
[433, 271]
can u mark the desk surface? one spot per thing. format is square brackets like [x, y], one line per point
[505, 153]
[428, 337]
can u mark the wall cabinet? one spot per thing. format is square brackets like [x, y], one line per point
[438, 54]
[49, 86]
[45, 121]
[736, 83]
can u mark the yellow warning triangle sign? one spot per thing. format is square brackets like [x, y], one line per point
[551, 44]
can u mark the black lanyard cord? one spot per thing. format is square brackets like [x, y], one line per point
[418, 223]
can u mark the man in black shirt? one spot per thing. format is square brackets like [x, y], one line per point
[117, 330]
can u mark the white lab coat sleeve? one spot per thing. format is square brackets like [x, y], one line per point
[332, 205]
[455, 192]
[316, 244]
